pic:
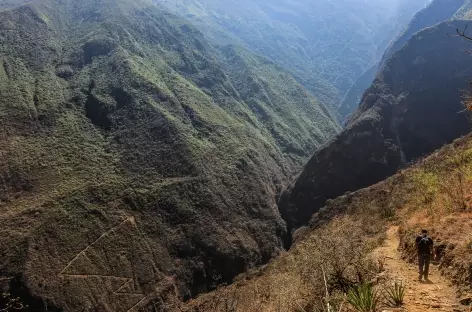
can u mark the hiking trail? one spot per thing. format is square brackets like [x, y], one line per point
[436, 295]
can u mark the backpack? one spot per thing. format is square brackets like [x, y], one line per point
[424, 245]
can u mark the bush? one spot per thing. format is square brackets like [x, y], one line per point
[363, 298]
[453, 186]
[9, 303]
[395, 294]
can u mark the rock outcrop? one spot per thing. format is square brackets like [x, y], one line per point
[436, 12]
[413, 107]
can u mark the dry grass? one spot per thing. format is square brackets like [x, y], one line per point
[295, 281]
[468, 101]
[435, 193]
[442, 203]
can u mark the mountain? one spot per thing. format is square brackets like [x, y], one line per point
[136, 159]
[8, 4]
[437, 11]
[354, 95]
[412, 108]
[341, 247]
[325, 44]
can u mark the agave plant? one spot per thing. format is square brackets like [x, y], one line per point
[9, 303]
[395, 294]
[363, 298]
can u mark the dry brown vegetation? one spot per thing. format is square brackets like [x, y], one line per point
[445, 193]
[332, 260]
[435, 193]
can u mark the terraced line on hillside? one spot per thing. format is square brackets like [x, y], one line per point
[126, 281]
[437, 295]
[83, 252]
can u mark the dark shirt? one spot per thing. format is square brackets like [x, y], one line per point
[418, 240]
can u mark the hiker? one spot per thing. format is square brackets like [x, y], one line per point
[424, 244]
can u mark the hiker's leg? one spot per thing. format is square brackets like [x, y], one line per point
[427, 260]
[420, 266]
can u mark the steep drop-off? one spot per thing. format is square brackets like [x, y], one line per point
[136, 160]
[354, 239]
[413, 107]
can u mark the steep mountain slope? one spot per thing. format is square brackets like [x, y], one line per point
[135, 159]
[8, 4]
[340, 247]
[437, 11]
[325, 44]
[355, 93]
[413, 107]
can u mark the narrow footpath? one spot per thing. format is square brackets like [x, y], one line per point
[436, 295]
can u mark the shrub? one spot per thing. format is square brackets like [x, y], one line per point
[395, 294]
[363, 298]
[427, 186]
[9, 303]
[454, 188]
[467, 100]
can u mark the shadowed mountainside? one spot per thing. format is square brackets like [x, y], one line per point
[136, 160]
[413, 107]
[436, 12]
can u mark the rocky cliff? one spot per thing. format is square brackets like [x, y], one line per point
[436, 12]
[412, 108]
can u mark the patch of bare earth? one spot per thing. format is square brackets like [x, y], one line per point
[436, 295]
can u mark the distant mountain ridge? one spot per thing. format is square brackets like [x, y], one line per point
[326, 45]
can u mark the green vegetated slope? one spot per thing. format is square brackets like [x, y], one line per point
[135, 159]
[325, 44]
[436, 12]
[8, 4]
[412, 108]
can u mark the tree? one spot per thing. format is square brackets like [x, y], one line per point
[468, 97]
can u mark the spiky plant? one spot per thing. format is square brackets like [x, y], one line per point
[9, 303]
[395, 294]
[363, 298]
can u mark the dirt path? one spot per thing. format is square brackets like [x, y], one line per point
[436, 295]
